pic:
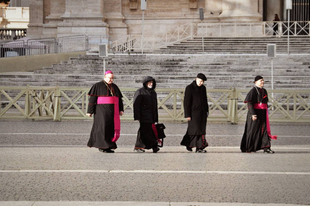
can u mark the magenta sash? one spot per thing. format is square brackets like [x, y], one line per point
[117, 122]
[264, 106]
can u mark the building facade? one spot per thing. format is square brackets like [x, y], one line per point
[117, 18]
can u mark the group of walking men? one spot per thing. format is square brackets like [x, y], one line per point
[106, 105]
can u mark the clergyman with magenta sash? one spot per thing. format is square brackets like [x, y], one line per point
[257, 134]
[106, 105]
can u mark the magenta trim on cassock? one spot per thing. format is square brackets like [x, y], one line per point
[117, 121]
[264, 106]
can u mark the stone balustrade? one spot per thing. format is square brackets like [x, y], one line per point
[12, 34]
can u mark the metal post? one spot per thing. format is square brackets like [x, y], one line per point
[272, 73]
[288, 30]
[103, 59]
[142, 30]
[272, 80]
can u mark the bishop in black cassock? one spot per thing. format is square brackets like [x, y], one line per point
[257, 129]
[103, 98]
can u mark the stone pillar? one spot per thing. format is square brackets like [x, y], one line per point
[15, 3]
[57, 10]
[36, 18]
[82, 17]
[240, 10]
[115, 19]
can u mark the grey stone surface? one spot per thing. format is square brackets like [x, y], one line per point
[172, 71]
[48, 163]
[128, 203]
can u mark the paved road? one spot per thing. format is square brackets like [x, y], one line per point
[48, 163]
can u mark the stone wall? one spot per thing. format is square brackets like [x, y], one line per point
[118, 18]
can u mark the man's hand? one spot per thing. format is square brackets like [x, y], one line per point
[121, 113]
[188, 118]
[88, 114]
[254, 117]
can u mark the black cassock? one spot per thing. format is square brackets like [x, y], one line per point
[196, 106]
[146, 111]
[255, 135]
[103, 126]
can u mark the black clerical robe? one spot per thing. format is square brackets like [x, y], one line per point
[255, 135]
[103, 126]
[196, 107]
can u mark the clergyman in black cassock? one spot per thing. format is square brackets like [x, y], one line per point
[146, 111]
[104, 133]
[257, 129]
[196, 111]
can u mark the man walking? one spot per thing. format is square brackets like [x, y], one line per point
[196, 111]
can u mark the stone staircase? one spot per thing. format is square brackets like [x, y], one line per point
[237, 45]
[223, 71]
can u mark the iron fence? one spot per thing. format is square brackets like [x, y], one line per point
[60, 103]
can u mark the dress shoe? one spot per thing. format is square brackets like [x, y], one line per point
[139, 150]
[106, 150]
[189, 149]
[268, 150]
[201, 151]
[155, 150]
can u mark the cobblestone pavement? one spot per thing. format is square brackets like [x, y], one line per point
[48, 163]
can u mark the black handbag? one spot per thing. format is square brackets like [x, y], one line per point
[161, 133]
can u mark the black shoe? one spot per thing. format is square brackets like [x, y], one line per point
[189, 149]
[139, 150]
[268, 150]
[155, 150]
[106, 150]
[201, 151]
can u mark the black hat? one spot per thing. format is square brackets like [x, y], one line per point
[258, 77]
[202, 76]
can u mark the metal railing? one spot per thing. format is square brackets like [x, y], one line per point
[284, 28]
[149, 43]
[60, 103]
[154, 42]
[27, 47]
[188, 31]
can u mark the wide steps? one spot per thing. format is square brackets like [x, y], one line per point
[238, 45]
[170, 71]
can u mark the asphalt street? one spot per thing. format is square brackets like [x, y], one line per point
[48, 163]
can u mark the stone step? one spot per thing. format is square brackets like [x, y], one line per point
[170, 71]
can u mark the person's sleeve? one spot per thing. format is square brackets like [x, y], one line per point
[121, 105]
[120, 97]
[92, 101]
[250, 101]
[251, 108]
[156, 112]
[187, 102]
[137, 105]
[207, 102]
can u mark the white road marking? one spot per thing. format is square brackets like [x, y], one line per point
[158, 172]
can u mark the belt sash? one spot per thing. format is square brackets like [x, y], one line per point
[117, 122]
[264, 106]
